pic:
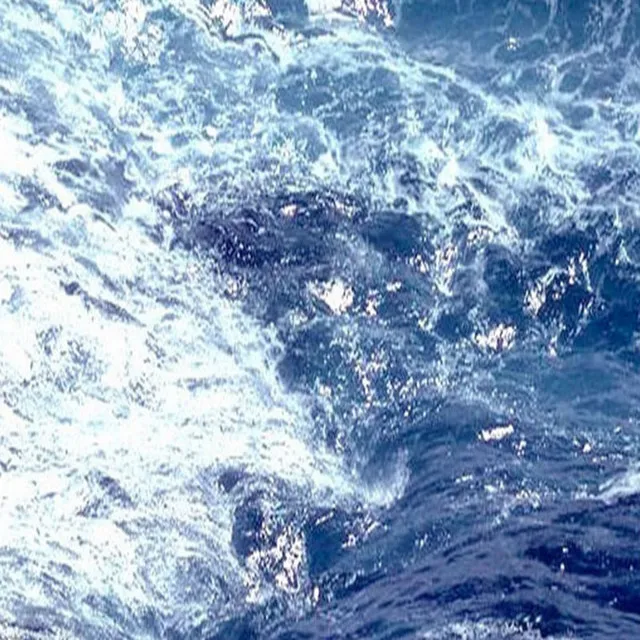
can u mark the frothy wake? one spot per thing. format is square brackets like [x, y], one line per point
[143, 417]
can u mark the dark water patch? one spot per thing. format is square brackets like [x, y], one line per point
[107, 495]
[107, 307]
[510, 573]
[536, 28]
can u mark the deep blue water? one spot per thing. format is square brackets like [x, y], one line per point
[319, 320]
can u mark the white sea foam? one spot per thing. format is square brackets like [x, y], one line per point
[621, 487]
[486, 630]
[128, 382]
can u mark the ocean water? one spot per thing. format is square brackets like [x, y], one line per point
[319, 319]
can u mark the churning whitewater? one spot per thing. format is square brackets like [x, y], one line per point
[319, 320]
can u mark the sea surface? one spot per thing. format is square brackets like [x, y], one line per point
[319, 319]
